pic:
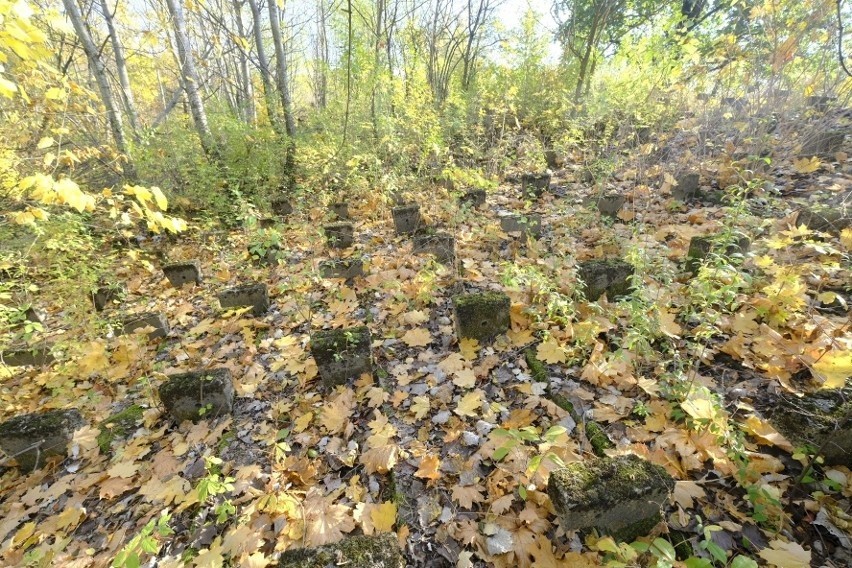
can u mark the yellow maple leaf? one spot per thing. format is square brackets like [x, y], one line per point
[551, 352]
[325, 522]
[469, 348]
[453, 363]
[418, 337]
[846, 238]
[834, 368]
[764, 431]
[420, 407]
[383, 516]
[380, 459]
[685, 491]
[465, 378]
[95, 359]
[786, 555]
[429, 465]
[668, 325]
[467, 495]
[807, 165]
[469, 404]
[124, 470]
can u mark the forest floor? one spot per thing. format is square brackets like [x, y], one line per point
[412, 450]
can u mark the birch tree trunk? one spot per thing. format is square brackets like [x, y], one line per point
[281, 65]
[263, 65]
[249, 110]
[96, 64]
[121, 70]
[191, 81]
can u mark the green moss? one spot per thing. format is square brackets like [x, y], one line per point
[605, 275]
[327, 344]
[482, 315]
[354, 552]
[562, 402]
[538, 371]
[119, 426]
[598, 439]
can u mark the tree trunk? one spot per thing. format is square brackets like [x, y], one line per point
[281, 66]
[96, 64]
[249, 110]
[121, 69]
[263, 65]
[191, 82]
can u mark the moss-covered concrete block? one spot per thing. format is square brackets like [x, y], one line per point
[442, 245]
[482, 315]
[33, 438]
[347, 268]
[281, 207]
[534, 185]
[687, 187]
[610, 276]
[701, 247]
[342, 354]
[825, 143]
[821, 420]
[473, 198]
[406, 219]
[609, 204]
[380, 551]
[825, 219]
[198, 394]
[180, 273]
[621, 497]
[156, 321]
[340, 210]
[524, 225]
[25, 356]
[267, 222]
[254, 295]
[339, 235]
[119, 425]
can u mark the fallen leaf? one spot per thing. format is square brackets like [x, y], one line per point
[786, 555]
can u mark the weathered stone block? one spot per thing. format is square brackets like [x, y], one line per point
[825, 143]
[700, 247]
[342, 354]
[473, 198]
[442, 245]
[155, 320]
[525, 225]
[254, 295]
[104, 296]
[339, 235]
[25, 356]
[347, 268]
[534, 185]
[180, 273]
[380, 551]
[32, 438]
[482, 315]
[687, 187]
[340, 210]
[406, 219]
[281, 207]
[621, 497]
[198, 394]
[820, 420]
[267, 222]
[607, 275]
[818, 102]
[825, 219]
[33, 315]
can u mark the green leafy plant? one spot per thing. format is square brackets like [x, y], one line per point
[146, 543]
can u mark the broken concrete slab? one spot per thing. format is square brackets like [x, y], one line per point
[107, 295]
[342, 354]
[281, 207]
[339, 235]
[155, 320]
[340, 210]
[481, 315]
[687, 187]
[621, 497]
[379, 551]
[824, 218]
[535, 185]
[701, 246]
[442, 245]
[254, 295]
[473, 198]
[406, 219]
[525, 226]
[24, 356]
[610, 276]
[180, 273]
[347, 268]
[198, 394]
[33, 438]
[608, 205]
